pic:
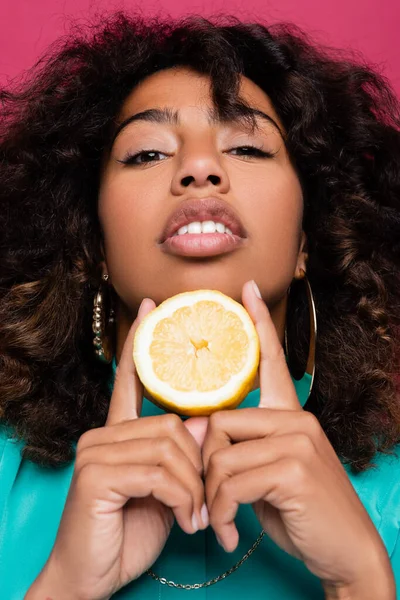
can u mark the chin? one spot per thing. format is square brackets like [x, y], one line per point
[231, 289]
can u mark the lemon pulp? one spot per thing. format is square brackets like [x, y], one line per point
[197, 352]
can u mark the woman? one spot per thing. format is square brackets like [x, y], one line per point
[117, 139]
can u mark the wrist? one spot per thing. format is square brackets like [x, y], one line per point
[365, 591]
[50, 586]
[45, 589]
[375, 581]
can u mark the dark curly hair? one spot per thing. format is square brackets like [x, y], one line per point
[342, 123]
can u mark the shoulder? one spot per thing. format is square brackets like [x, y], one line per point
[3, 441]
[17, 474]
[9, 446]
[10, 461]
[39, 489]
[32, 499]
[379, 490]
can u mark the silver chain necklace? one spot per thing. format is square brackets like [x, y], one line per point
[196, 586]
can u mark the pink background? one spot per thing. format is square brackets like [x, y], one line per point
[369, 26]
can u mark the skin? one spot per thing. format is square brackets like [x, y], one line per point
[135, 475]
[136, 201]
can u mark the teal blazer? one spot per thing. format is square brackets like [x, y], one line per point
[32, 500]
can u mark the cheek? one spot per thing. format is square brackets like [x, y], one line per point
[125, 214]
[278, 209]
[275, 222]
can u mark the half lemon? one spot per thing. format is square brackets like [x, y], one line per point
[196, 353]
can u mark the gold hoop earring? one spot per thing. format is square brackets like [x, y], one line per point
[310, 367]
[102, 343]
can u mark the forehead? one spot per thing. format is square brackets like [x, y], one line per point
[185, 90]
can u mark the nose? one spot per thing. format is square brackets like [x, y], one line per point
[200, 171]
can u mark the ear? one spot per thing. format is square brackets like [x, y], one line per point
[301, 265]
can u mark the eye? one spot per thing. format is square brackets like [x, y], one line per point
[143, 157]
[252, 152]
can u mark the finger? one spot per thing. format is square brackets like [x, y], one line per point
[227, 427]
[166, 425]
[245, 456]
[127, 396]
[277, 389]
[116, 484]
[245, 488]
[198, 428]
[160, 451]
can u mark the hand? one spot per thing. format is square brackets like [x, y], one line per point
[130, 479]
[277, 458]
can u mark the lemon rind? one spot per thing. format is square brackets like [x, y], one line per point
[190, 403]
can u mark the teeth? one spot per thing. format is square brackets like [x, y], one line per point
[208, 227]
[194, 227]
[204, 227]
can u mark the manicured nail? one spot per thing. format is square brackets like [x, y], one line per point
[256, 289]
[219, 541]
[204, 515]
[141, 307]
[195, 523]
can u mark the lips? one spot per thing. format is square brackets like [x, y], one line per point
[204, 209]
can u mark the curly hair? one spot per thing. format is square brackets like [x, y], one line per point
[342, 123]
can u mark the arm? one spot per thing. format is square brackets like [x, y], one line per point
[379, 582]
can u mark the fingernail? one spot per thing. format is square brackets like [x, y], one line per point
[195, 523]
[139, 313]
[256, 289]
[204, 515]
[140, 307]
[219, 541]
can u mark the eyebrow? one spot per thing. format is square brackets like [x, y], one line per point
[167, 116]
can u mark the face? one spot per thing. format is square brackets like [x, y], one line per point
[186, 167]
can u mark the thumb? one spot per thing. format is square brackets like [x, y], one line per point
[198, 428]
[126, 399]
